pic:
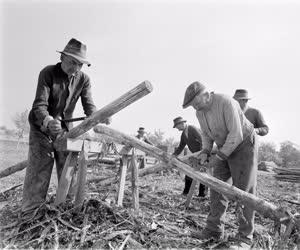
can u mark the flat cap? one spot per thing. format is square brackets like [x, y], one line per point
[192, 90]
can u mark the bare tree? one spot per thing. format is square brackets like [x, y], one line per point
[22, 124]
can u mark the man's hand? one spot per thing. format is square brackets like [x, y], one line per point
[54, 126]
[203, 158]
[107, 121]
[215, 161]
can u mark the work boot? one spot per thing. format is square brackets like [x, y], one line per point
[240, 242]
[207, 234]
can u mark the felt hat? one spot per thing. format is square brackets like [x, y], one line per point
[241, 94]
[191, 92]
[141, 129]
[178, 120]
[77, 50]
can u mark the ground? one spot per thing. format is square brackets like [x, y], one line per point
[162, 220]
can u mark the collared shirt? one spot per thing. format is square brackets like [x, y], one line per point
[258, 121]
[191, 136]
[57, 95]
[224, 123]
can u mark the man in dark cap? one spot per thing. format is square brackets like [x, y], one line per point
[223, 122]
[58, 90]
[252, 114]
[192, 138]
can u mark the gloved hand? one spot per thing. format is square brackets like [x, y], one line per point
[54, 127]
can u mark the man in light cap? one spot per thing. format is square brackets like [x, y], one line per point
[223, 122]
[252, 114]
[58, 90]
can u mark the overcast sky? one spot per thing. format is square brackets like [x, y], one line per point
[224, 44]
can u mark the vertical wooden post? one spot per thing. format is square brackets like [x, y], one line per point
[123, 173]
[135, 183]
[82, 171]
[65, 178]
[190, 194]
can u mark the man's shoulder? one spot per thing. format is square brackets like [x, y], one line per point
[222, 98]
[49, 68]
[252, 110]
[83, 76]
[194, 128]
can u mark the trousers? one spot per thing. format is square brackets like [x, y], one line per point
[239, 170]
[41, 158]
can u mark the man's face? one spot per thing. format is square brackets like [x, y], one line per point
[243, 103]
[70, 65]
[180, 126]
[199, 102]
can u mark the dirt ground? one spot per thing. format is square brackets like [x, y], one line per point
[162, 220]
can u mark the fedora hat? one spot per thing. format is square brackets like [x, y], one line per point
[77, 50]
[191, 92]
[241, 94]
[141, 129]
[178, 120]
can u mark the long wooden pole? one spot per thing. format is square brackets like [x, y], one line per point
[263, 207]
[101, 115]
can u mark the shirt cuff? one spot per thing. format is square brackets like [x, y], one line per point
[47, 119]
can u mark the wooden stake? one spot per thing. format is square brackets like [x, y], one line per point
[82, 170]
[190, 194]
[65, 178]
[122, 181]
[135, 183]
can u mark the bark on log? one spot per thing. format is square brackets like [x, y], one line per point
[101, 115]
[263, 207]
[15, 168]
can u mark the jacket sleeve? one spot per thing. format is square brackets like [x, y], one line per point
[86, 97]
[181, 146]
[40, 103]
[147, 141]
[234, 127]
[197, 134]
[262, 128]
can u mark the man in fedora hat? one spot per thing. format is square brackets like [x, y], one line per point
[223, 122]
[252, 114]
[58, 90]
[191, 137]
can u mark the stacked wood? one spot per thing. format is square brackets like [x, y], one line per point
[287, 174]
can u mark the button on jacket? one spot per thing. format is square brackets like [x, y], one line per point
[57, 94]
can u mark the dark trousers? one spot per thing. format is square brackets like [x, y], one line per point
[240, 170]
[41, 158]
[188, 182]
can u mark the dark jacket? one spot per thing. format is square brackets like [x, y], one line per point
[190, 137]
[256, 118]
[57, 95]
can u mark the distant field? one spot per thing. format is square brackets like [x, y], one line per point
[10, 155]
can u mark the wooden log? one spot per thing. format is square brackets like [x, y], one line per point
[190, 194]
[13, 169]
[65, 178]
[101, 115]
[135, 184]
[122, 181]
[82, 171]
[263, 207]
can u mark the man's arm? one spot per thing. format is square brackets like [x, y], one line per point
[86, 97]
[40, 103]
[180, 147]
[233, 124]
[207, 142]
[262, 128]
